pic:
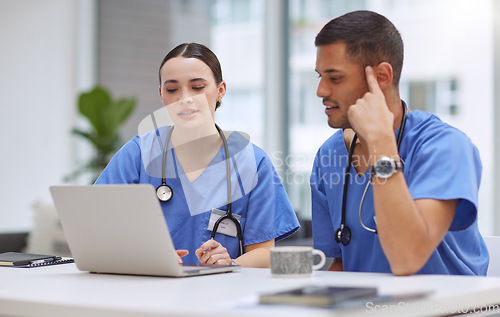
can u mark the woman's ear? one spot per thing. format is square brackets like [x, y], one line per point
[384, 74]
[222, 90]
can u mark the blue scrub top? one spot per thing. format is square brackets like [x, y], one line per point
[440, 163]
[257, 193]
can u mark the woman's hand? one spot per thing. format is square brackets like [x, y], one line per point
[180, 254]
[212, 252]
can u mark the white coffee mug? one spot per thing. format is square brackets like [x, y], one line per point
[295, 261]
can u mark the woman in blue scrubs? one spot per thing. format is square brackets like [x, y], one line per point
[191, 88]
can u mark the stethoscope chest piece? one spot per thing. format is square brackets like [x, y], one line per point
[164, 192]
[343, 235]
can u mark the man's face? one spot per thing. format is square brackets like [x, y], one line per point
[342, 82]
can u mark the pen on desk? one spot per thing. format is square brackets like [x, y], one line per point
[45, 260]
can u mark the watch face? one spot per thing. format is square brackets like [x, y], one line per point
[385, 167]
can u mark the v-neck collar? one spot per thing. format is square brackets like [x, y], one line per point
[218, 157]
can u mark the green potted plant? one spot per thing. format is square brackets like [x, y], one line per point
[105, 115]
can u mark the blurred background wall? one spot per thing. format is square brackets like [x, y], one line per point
[52, 50]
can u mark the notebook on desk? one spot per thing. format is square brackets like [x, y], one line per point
[120, 229]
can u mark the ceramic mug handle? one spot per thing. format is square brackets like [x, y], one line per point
[323, 259]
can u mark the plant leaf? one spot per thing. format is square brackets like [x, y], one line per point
[117, 113]
[105, 116]
[92, 104]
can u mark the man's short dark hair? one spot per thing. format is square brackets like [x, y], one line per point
[370, 39]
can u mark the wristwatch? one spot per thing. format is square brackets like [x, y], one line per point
[385, 167]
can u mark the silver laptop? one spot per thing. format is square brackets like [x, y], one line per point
[121, 229]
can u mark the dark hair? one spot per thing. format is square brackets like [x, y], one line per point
[370, 39]
[199, 51]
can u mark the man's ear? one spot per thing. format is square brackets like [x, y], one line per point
[384, 74]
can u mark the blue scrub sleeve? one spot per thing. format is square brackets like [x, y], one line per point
[270, 214]
[124, 167]
[322, 225]
[447, 167]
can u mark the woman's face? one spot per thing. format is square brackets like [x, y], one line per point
[189, 91]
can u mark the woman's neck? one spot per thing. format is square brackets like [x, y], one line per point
[199, 135]
[195, 148]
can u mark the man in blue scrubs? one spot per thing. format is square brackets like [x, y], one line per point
[420, 210]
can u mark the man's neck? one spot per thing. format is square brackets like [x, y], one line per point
[395, 105]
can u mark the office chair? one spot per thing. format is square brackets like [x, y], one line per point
[493, 244]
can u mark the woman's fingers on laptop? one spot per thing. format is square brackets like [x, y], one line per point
[212, 252]
[225, 260]
[180, 254]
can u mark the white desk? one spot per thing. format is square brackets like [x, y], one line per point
[62, 290]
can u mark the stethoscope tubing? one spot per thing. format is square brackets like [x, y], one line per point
[164, 191]
[343, 234]
[228, 214]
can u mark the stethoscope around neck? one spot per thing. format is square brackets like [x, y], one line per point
[165, 192]
[343, 234]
